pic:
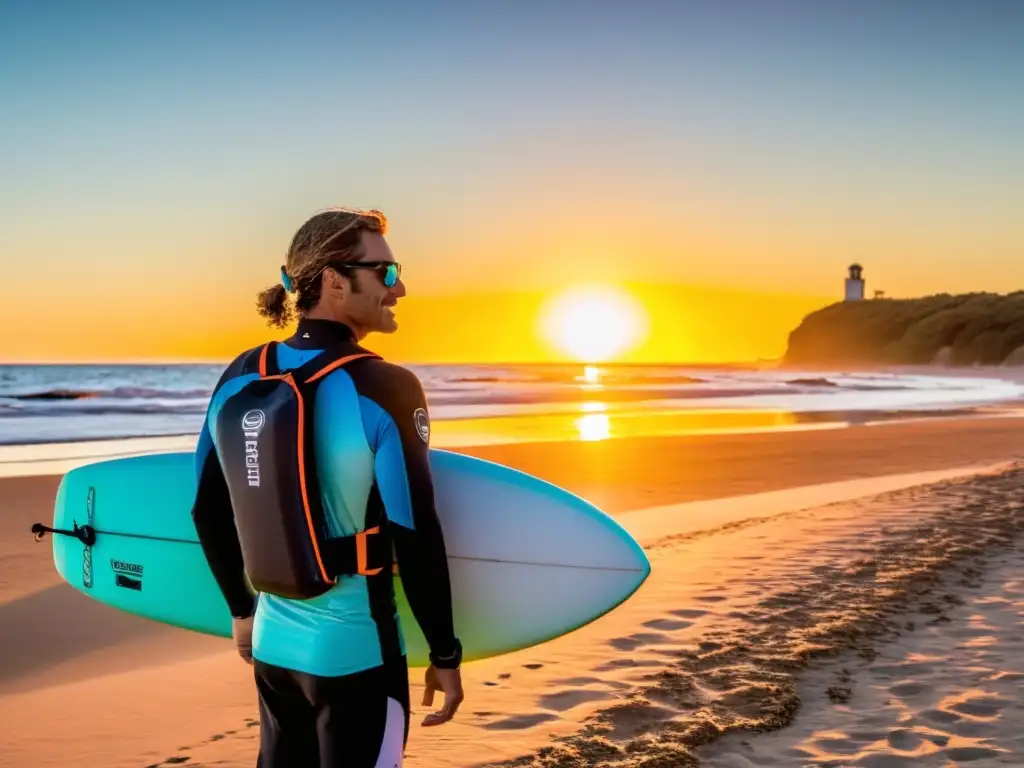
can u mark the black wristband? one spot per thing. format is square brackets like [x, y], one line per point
[452, 661]
[243, 609]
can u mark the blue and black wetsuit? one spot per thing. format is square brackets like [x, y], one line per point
[332, 669]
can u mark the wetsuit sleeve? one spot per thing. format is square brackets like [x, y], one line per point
[214, 520]
[402, 468]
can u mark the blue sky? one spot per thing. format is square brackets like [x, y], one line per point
[711, 138]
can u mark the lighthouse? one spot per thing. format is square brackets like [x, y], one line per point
[855, 283]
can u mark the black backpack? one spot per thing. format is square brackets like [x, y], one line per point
[264, 438]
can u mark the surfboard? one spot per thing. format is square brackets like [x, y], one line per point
[529, 561]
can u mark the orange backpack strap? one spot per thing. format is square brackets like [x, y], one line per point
[268, 364]
[265, 357]
[336, 364]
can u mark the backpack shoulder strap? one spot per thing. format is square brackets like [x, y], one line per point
[268, 360]
[326, 362]
[255, 359]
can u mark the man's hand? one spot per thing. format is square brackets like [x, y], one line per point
[448, 681]
[241, 631]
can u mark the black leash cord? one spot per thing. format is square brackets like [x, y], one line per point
[85, 534]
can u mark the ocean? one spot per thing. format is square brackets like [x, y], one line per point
[67, 403]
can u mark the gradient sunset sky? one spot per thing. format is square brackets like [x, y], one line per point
[724, 161]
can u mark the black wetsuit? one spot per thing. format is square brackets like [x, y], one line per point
[331, 671]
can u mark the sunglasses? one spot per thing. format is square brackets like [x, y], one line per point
[392, 269]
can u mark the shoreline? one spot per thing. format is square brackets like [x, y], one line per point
[484, 405]
[496, 433]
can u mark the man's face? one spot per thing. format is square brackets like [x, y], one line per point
[367, 303]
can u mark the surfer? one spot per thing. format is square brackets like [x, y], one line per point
[331, 673]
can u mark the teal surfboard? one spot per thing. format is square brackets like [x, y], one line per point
[529, 561]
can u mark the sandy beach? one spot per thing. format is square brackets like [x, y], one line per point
[841, 597]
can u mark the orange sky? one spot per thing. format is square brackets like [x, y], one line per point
[148, 287]
[683, 324]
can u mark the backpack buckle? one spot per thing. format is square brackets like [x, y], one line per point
[362, 548]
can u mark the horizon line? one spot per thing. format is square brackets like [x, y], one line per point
[225, 361]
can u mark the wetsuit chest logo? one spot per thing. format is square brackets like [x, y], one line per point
[252, 425]
[419, 416]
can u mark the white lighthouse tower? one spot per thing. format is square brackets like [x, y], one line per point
[855, 283]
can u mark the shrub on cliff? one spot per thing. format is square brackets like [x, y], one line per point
[965, 329]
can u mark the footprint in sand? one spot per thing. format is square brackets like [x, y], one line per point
[980, 708]
[711, 598]
[967, 754]
[520, 722]
[616, 664]
[668, 625]
[904, 740]
[909, 688]
[633, 642]
[507, 675]
[750, 616]
[578, 682]
[568, 699]
[940, 716]
[689, 613]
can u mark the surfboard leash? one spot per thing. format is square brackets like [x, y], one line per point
[85, 533]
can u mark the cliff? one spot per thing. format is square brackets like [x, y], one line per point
[966, 329]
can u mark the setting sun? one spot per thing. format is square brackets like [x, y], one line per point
[594, 324]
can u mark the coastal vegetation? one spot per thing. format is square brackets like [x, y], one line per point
[942, 329]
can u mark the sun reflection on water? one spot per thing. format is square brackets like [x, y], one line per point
[594, 424]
